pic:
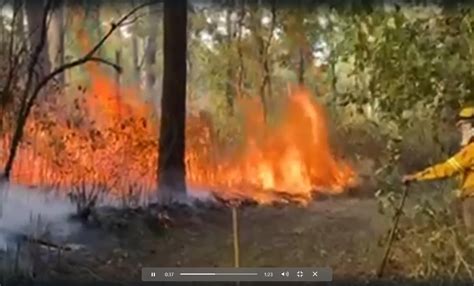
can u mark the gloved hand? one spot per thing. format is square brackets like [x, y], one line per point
[408, 179]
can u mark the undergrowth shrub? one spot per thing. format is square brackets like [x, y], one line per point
[431, 242]
[86, 198]
[383, 147]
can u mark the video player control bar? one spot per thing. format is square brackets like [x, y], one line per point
[156, 274]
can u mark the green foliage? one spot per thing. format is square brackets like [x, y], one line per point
[402, 59]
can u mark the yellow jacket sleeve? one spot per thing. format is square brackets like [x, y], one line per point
[458, 163]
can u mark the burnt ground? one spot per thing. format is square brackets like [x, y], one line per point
[337, 233]
[340, 233]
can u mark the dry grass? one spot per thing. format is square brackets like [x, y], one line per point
[86, 196]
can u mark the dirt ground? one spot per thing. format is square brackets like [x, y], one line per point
[334, 232]
[342, 233]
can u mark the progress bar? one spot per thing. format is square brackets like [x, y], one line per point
[217, 274]
[157, 274]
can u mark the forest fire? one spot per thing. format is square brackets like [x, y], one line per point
[111, 139]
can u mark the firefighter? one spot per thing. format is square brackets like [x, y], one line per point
[461, 164]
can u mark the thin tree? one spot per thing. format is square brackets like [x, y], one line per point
[171, 166]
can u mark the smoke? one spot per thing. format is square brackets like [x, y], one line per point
[32, 212]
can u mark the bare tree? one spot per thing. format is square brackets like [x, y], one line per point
[171, 166]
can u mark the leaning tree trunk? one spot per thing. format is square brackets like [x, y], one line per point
[34, 19]
[171, 166]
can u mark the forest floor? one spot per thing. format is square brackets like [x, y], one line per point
[342, 233]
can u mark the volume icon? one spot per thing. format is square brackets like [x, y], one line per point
[285, 274]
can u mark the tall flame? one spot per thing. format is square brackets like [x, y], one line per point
[295, 157]
[119, 146]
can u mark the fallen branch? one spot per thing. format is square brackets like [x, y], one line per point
[46, 243]
[22, 237]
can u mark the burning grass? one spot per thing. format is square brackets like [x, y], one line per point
[109, 137]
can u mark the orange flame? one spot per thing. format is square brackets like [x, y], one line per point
[295, 157]
[292, 159]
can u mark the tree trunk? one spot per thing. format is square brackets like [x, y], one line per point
[136, 59]
[94, 13]
[34, 18]
[229, 90]
[62, 48]
[32, 79]
[15, 43]
[171, 166]
[301, 41]
[241, 69]
[118, 81]
[150, 53]
[56, 37]
[332, 68]
[19, 19]
[301, 67]
[266, 88]
[135, 55]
